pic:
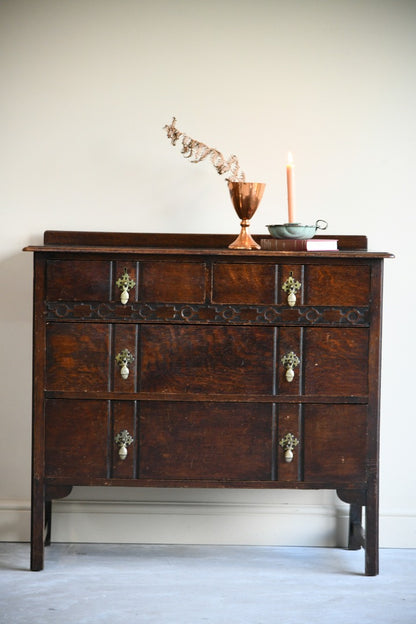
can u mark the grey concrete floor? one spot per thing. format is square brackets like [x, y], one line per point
[102, 583]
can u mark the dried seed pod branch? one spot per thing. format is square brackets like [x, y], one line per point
[197, 151]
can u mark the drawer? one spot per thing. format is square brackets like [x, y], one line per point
[332, 285]
[77, 356]
[323, 361]
[159, 358]
[326, 443]
[91, 357]
[325, 284]
[335, 361]
[169, 440]
[335, 443]
[194, 282]
[185, 440]
[103, 281]
[91, 280]
[244, 283]
[178, 281]
[78, 280]
[206, 359]
[80, 439]
[269, 283]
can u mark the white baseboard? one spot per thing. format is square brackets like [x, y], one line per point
[202, 522]
[196, 523]
[398, 529]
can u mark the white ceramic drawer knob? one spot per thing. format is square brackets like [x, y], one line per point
[125, 283]
[290, 361]
[291, 287]
[123, 359]
[288, 443]
[123, 440]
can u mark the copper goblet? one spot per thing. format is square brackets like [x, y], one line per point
[246, 197]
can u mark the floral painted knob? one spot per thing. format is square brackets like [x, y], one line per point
[288, 443]
[125, 283]
[123, 440]
[290, 361]
[291, 287]
[123, 359]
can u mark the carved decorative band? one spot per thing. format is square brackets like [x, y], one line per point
[207, 313]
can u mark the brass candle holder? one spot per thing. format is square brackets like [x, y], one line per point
[246, 197]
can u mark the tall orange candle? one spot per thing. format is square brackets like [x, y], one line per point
[290, 178]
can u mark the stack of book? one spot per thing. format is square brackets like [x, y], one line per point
[299, 244]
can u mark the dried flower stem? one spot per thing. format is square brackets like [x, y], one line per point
[197, 152]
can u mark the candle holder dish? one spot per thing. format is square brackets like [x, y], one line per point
[296, 230]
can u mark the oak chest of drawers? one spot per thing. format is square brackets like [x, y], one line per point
[169, 360]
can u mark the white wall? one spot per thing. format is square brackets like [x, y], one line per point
[86, 88]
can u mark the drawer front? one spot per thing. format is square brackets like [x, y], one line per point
[325, 361]
[159, 358]
[205, 282]
[169, 440]
[181, 282]
[147, 280]
[205, 441]
[329, 285]
[181, 440]
[207, 359]
[326, 443]
[76, 439]
[78, 356]
[269, 283]
[335, 361]
[335, 443]
[91, 357]
[81, 440]
[78, 280]
[244, 283]
[92, 280]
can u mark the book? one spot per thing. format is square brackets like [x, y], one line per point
[299, 244]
